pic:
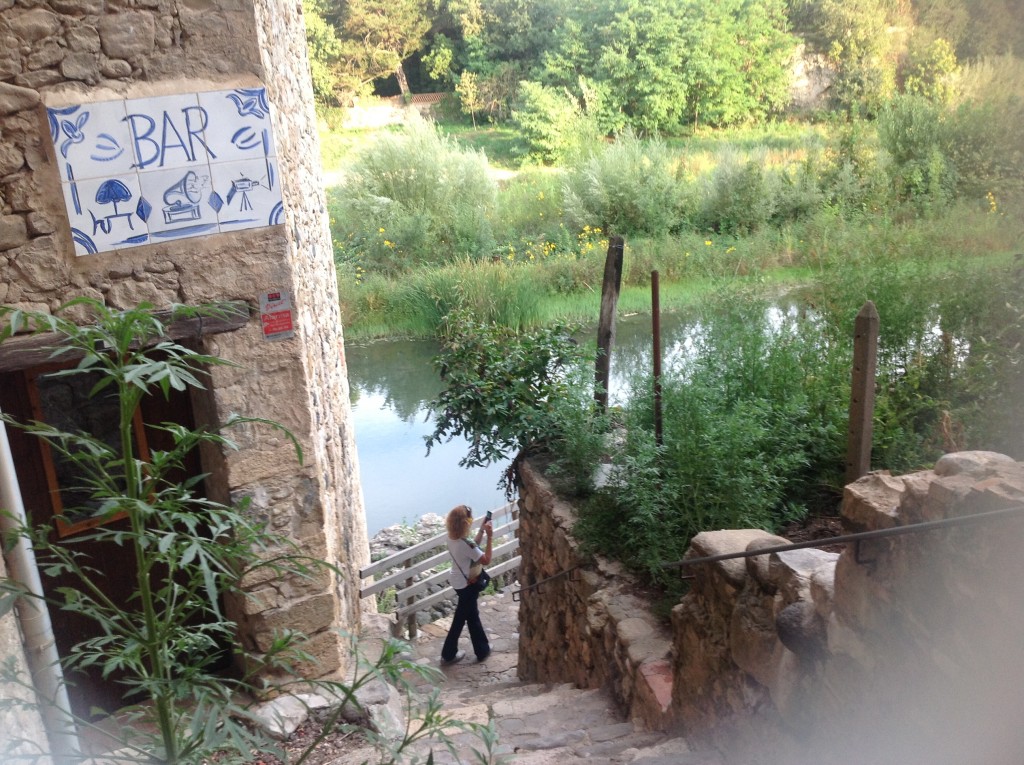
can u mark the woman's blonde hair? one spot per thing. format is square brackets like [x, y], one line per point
[459, 521]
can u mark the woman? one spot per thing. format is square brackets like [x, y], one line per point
[464, 554]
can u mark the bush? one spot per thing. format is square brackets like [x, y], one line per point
[413, 198]
[754, 434]
[556, 128]
[910, 129]
[629, 187]
[501, 387]
[735, 199]
[939, 154]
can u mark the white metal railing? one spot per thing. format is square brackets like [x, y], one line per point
[399, 571]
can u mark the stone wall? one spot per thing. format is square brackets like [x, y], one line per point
[83, 51]
[590, 626]
[907, 649]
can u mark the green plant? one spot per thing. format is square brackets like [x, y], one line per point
[556, 128]
[413, 198]
[753, 429]
[736, 199]
[629, 187]
[500, 386]
[186, 554]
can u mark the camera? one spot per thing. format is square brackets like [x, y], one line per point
[490, 514]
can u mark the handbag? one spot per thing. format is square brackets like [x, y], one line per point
[477, 577]
[481, 580]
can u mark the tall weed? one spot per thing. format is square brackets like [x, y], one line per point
[413, 198]
[629, 187]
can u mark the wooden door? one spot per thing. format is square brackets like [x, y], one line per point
[47, 486]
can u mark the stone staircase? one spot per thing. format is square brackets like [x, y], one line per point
[536, 724]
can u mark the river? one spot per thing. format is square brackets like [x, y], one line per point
[391, 384]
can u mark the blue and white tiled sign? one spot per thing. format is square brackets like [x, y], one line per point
[152, 169]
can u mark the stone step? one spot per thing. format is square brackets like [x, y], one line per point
[534, 723]
[539, 724]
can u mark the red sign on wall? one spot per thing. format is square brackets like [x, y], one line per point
[276, 315]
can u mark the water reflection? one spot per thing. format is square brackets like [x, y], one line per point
[391, 383]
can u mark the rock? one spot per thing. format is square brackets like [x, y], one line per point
[129, 35]
[976, 463]
[15, 99]
[802, 631]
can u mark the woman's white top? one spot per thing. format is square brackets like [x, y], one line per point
[465, 553]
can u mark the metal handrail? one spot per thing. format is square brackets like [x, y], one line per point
[911, 528]
[538, 585]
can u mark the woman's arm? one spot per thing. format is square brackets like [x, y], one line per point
[485, 527]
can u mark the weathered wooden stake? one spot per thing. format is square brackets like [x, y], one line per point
[862, 393]
[659, 438]
[606, 324]
[409, 602]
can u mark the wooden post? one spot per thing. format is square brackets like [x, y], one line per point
[862, 392]
[659, 438]
[606, 324]
[409, 602]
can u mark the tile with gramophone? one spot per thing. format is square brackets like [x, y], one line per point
[145, 170]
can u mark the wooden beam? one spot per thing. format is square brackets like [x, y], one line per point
[606, 322]
[31, 350]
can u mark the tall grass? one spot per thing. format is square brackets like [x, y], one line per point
[492, 292]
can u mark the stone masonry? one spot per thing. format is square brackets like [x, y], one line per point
[904, 649]
[84, 51]
[591, 626]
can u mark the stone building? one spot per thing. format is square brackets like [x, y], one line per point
[165, 151]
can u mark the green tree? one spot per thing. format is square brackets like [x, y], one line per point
[656, 65]
[324, 48]
[855, 34]
[931, 71]
[380, 35]
[506, 391]
[737, 60]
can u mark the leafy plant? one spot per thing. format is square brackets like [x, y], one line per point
[753, 436]
[502, 387]
[189, 553]
[629, 187]
[412, 198]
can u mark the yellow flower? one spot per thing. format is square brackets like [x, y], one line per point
[708, 242]
[540, 195]
[380, 231]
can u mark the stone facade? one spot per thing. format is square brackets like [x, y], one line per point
[84, 51]
[904, 649]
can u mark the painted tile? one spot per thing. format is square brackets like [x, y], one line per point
[106, 213]
[239, 124]
[168, 167]
[167, 131]
[178, 202]
[91, 140]
[247, 193]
